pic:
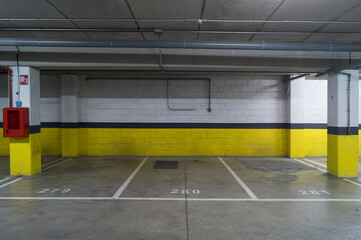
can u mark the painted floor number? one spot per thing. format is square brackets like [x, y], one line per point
[54, 190]
[313, 192]
[185, 191]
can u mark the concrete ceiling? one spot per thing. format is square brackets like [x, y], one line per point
[178, 20]
[308, 21]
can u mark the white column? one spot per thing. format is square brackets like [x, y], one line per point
[342, 123]
[27, 90]
[296, 118]
[70, 114]
[25, 153]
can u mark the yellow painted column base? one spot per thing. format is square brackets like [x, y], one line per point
[342, 155]
[25, 155]
[296, 143]
[70, 142]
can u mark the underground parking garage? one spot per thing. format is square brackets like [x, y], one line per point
[180, 119]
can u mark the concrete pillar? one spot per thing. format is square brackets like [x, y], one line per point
[342, 124]
[25, 153]
[70, 115]
[296, 118]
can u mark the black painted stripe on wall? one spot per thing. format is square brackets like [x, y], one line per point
[307, 126]
[59, 125]
[342, 130]
[34, 129]
[51, 125]
[187, 125]
[201, 125]
[170, 125]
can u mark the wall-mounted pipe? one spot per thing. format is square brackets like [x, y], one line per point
[9, 72]
[299, 76]
[336, 70]
[348, 101]
[175, 109]
[209, 109]
[183, 44]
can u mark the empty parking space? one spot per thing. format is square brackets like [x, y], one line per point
[194, 177]
[80, 177]
[256, 198]
[281, 178]
[181, 178]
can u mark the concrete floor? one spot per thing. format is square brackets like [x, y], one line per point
[227, 198]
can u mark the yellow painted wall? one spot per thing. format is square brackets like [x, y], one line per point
[231, 142]
[4, 145]
[50, 142]
[315, 142]
[296, 143]
[359, 142]
[70, 142]
[183, 142]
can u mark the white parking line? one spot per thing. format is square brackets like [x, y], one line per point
[322, 170]
[125, 184]
[57, 164]
[3, 180]
[183, 199]
[18, 179]
[347, 180]
[249, 192]
[56, 198]
[239, 199]
[46, 164]
[319, 164]
[310, 165]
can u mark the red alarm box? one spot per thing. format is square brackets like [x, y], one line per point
[16, 122]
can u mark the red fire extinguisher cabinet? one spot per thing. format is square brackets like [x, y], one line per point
[16, 122]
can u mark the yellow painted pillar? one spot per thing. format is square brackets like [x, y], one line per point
[70, 142]
[70, 115]
[296, 119]
[296, 143]
[342, 139]
[25, 153]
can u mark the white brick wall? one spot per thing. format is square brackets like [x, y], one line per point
[243, 99]
[359, 111]
[4, 102]
[50, 103]
[316, 101]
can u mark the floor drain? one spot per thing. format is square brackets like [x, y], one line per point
[166, 165]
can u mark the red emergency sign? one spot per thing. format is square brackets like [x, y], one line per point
[24, 79]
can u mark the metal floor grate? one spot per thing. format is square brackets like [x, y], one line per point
[166, 165]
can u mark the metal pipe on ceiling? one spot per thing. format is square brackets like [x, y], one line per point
[159, 31]
[183, 20]
[338, 70]
[282, 46]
